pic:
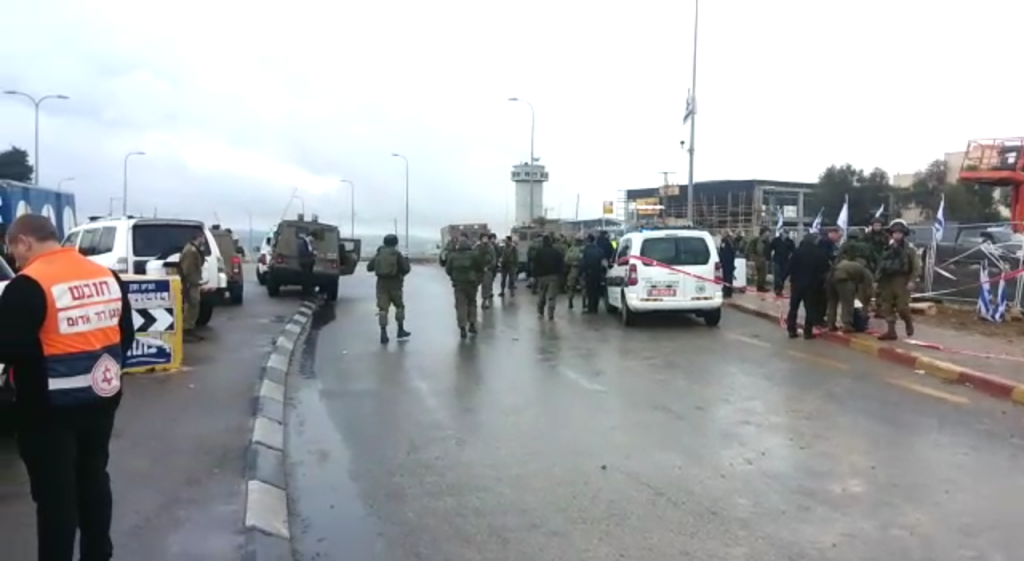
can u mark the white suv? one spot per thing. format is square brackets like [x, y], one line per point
[127, 244]
[689, 281]
[264, 256]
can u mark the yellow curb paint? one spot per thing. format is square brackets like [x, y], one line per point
[864, 345]
[945, 396]
[937, 368]
[820, 360]
[749, 340]
[1017, 395]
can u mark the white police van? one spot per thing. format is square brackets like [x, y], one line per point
[665, 270]
[128, 244]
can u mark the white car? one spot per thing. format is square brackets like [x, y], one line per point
[128, 244]
[265, 251]
[688, 278]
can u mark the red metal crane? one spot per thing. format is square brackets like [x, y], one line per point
[999, 163]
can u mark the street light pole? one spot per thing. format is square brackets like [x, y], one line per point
[406, 201]
[124, 189]
[352, 204]
[36, 103]
[533, 122]
[61, 182]
[693, 115]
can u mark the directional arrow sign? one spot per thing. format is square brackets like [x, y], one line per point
[153, 320]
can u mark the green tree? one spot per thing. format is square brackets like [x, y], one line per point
[866, 192]
[14, 165]
[965, 202]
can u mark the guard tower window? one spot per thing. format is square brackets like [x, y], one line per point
[535, 175]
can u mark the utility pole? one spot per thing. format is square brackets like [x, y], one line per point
[691, 103]
[36, 103]
[666, 174]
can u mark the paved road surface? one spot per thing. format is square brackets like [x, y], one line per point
[179, 448]
[581, 440]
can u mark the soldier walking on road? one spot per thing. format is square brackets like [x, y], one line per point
[549, 266]
[531, 256]
[897, 269]
[509, 267]
[489, 257]
[465, 269]
[190, 268]
[391, 267]
[573, 260]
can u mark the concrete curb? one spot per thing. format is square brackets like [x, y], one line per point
[267, 535]
[945, 371]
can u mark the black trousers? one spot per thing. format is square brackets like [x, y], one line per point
[810, 298]
[67, 468]
[727, 277]
[593, 284]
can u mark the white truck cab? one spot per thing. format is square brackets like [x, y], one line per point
[665, 270]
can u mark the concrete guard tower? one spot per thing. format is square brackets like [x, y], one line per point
[529, 180]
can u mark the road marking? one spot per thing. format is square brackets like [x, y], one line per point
[582, 380]
[952, 398]
[750, 340]
[820, 360]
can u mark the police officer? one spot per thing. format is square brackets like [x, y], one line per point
[465, 269]
[593, 266]
[190, 268]
[65, 328]
[390, 267]
[897, 269]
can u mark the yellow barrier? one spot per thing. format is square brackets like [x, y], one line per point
[157, 314]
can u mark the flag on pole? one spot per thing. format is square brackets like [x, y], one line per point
[691, 107]
[940, 220]
[843, 217]
[999, 313]
[881, 209]
[985, 310]
[778, 224]
[816, 225]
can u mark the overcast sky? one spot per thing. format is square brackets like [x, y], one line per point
[238, 103]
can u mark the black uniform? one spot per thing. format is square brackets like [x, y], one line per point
[807, 270]
[593, 270]
[727, 256]
[781, 250]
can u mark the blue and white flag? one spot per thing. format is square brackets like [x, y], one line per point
[999, 313]
[816, 225]
[778, 224]
[985, 310]
[844, 216]
[881, 209]
[940, 220]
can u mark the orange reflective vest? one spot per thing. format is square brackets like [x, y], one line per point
[81, 336]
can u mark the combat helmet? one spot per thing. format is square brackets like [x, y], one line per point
[877, 220]
[391, 240]
[899, 225]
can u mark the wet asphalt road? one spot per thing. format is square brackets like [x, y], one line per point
[580, 440]
[179, 447]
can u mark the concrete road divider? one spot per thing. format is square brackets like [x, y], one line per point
[157, 314]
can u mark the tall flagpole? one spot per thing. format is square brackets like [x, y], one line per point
[693, 115]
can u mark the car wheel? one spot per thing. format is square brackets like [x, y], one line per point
[273, 289]
[205, 314]
[625, 314]
[713, 317]
[331, 291]
[261, 278]
[608, 306]
[237, 296]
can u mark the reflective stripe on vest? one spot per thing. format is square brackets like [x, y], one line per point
[81, 337]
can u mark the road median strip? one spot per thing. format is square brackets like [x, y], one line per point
[267, 535]
[945, 371]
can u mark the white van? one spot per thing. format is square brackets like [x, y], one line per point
[127, 244]
[689, 281]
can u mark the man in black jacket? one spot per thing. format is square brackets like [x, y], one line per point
[549, 268]
[781, 249]
[807, 271]
[592, 266]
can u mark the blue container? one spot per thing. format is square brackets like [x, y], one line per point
[21, 198]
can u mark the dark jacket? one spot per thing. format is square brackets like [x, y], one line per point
[727, 254]
[781, 249]
[548, 261]
[605, 245]
[593, 257]
[810, 264]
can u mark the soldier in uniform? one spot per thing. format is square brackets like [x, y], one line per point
[391, 267]
[465, 269]
[897, 269]
[488, 255]
[509, 267]
[757, 252]
[549, 266]
[190, 268]
[531, 253]
[573, 259]
[877, 240]
[849, 279]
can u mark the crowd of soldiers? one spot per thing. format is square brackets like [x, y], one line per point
[828, 275]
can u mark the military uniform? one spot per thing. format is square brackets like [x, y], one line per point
[531, 252]
[509, 268]
[465, 269]
[573, 259]
[897, 269]
[489, 257]
[850, 279]
[190, 267]
[756, 253]
[391, 267]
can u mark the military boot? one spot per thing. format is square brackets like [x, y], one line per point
[402, 333]
[570, 302]
[908, 323]
[512, 293]
[890, 333]
[190, 336]
[384, 339]
[462, 333]
[472, 329]
[551, 315]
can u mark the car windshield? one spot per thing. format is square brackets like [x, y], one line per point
[677, 250]
[164, 240]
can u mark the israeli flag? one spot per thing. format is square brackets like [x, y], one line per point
[940, 220]
[999, 314]
[816, 225]
[778, 224]
[881, 209]
[691, 107]
[844, 218]
[985, 310]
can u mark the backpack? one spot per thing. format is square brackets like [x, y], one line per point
[387, 263]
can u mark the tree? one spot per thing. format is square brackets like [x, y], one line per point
[866, 192]
[965, 202]
[14, 165]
